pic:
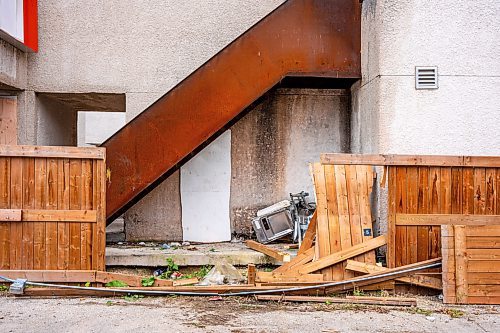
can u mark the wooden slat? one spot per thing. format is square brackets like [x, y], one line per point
[483, 242]
[341, 190]
[280, 256]
[490, 199]
[483, 278]
[309, 236]
[418, 280]
[251, 274]
[100, 196]
[344, 255]
[353, 207]
[410, 160]
[51, 227]
[39, 250]
[86, 228]
[8, 215]
[4, 203]
[63, 234]
[484, 290]
[483, 231]
[52, 152]
[28, 203]
[277, 277]
[483, 254]
[56, 276]
[75, 192]
[401, 257]
[333, 218]
[16, 202]
[365, 182]
[461, 265]
[448, 219]
[391, 222]
[389, 301]
[423, 201]
[296, 262]
[323, 231]
[483, 266]
[412, 208]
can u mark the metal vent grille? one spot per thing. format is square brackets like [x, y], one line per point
[426, 77]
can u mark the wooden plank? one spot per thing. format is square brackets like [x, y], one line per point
[483, 278]
[100, 228]
[365, 182]
[9, 215]
[323, 231]
[412, 208]
[55, 276]
[75, 191]
[448, 219]
[264, 277]
[423, 198]
[418, 280]
[490, 199]
[51, 227]
[333, 218]
[4, 203]
[280, 256]
[183, 282]
[16, 202]
[63, 234]
[344, 255]
[401, 257]
[483, 266]
[47, 215]
[483, 300]
[128, 279]
[86, 228]
[461, 265]
[484, 290]
[443, 206]
[39, 249]
[52, 152]
[296, 262]
[483, 231]
[309, 236]
[483, 254]
[353, 207]
[410, 160]
[251, 274]
[391, 223]
[389, 301]
[8, 121]
[28, 203]
[483, 242]
[341, 190]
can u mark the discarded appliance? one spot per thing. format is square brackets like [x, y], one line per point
[284, 218]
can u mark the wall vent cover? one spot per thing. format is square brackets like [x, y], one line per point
[426, 77]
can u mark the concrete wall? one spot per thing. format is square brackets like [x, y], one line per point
[462, 39]
[463, 115]
[270, 150]
[273, 145]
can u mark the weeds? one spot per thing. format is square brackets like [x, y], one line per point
[116, 284]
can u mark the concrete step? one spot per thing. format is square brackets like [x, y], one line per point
[236, 254]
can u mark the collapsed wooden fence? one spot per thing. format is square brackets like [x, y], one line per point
[52, 208]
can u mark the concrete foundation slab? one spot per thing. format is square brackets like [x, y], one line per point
[236, 254]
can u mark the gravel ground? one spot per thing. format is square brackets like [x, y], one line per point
[235, 315]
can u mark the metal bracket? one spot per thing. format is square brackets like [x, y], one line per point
[18, 286]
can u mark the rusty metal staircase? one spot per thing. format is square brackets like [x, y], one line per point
[306, 38]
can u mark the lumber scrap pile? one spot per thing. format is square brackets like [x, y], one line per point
[339, 244]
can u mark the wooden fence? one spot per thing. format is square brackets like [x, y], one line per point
[471, 264]
[428, 191]
[52, 208]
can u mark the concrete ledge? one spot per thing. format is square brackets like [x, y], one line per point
[206, 254]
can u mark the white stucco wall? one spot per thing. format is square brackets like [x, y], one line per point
[462, 38]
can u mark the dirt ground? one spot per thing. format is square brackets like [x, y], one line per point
[235, 315]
